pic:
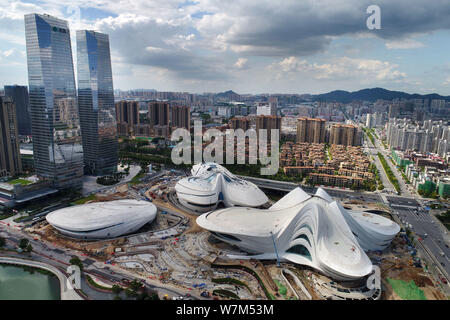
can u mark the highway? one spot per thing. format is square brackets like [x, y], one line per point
[411, 211]
[379, 148]
[423, 223]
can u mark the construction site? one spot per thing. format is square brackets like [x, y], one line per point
[174, 249]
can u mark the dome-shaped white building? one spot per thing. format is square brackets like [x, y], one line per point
[102, 220]
[308, 230]
[211, 183]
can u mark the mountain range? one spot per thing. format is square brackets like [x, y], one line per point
[372, 95]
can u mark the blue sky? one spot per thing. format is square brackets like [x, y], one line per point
[252, 46]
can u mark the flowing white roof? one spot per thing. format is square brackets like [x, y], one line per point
[211, 183]
[314, 231]
[98, 215]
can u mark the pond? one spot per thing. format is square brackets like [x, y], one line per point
[23, 283]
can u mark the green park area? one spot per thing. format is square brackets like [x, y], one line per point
[445, 219]
[407, 290]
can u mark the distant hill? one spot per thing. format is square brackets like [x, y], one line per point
[227, 95]
[372, 95]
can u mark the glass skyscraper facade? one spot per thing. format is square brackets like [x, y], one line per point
[96, 103]
[57, 145]
[19, 95]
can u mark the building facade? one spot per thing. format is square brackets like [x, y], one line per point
[19, 95]
[240, 123]
[268, 123]
[181, 117]
[96, 103]
[10, 164]
[127, 116]
[347, 135]
[57, 145]
[310, 130]
[159, 114]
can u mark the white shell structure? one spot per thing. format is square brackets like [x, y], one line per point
[211, 183]
[102, 220]
[309, 230]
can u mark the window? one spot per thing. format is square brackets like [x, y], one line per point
[307, 227]
[225, 236]
[303, 236]
[300, 250]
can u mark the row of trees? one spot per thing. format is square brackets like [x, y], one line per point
[389, 173]
[369, 135]
[135, 290]
[24, 244]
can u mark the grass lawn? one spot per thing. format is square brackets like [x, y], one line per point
[19, 181]
[407, 290]
[281, 288]
[85, 199]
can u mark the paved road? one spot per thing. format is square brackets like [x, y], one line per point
[436, 242]
[384, 178]
[386, 154]
[90, 185]
[334, 192]
[372, 150]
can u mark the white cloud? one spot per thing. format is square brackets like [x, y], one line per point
[404, 44]
[241, 63]
[340, 68]
[182, 45]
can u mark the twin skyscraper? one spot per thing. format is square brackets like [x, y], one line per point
[70, 130]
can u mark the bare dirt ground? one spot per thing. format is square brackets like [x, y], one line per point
[397, 264]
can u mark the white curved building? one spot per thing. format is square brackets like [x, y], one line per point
[211, 183]
[102, 220]
[309, 230]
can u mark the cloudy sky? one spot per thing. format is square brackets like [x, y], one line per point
[252, 46]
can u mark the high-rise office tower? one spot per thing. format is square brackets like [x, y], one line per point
[57, 146]
[96, 103]
[10, 164]
[19, 95]
[311, 130]
[181, 117]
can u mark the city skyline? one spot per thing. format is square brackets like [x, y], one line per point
[206, 46]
